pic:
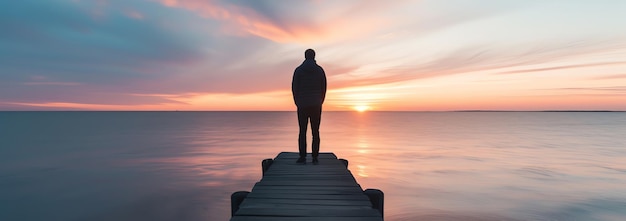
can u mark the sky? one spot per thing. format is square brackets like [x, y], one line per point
[401, 55]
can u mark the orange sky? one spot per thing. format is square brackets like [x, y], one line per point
[387, 56]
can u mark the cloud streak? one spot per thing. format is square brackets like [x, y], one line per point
[563, 67]
[490, 60]
[197, 53]
[284, 22]
[610, 77]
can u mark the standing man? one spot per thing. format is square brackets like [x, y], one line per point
[309, 90]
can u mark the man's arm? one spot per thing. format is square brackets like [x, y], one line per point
[294, 86]
[323, 85]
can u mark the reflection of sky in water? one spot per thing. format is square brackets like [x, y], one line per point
[489, 166]
[185, 165]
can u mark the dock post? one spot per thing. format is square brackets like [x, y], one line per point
[235, 200]
[345, 162]
[377, 197]
[265, 164]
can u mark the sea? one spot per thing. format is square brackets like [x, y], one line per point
[156, 166]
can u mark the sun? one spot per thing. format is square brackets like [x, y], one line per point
[361, 108]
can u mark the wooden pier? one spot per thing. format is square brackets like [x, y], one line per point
[289, 191]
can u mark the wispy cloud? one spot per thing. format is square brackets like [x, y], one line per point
[302, 21]
[620, 89]
[609, 77]
[488, 59]
[563, 67]
[199, 53]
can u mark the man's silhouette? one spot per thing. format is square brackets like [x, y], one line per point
[309, 90]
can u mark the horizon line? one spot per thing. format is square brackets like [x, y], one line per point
[323, 111]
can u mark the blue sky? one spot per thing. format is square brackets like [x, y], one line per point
[382, 55]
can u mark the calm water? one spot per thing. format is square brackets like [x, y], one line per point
[431, 166]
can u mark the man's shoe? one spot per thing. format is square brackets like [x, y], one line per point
[315, 161]
[301, 160]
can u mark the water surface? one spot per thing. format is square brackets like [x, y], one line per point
[431, 166]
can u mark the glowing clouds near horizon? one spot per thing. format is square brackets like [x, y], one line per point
[358, 98]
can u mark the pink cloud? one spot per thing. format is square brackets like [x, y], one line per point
[245, 21]
[238, 20]
[564, 67]
[616, 76]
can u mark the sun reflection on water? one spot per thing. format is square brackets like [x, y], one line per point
[361, 171]
[363, 146]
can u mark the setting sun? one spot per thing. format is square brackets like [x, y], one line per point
[361, 108]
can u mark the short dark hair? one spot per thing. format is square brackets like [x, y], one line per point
[309, 54]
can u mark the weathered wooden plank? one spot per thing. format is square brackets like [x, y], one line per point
[301, 167]
[267, 187]
[307, 183]
[308, 212]
[298, 172]
[321, 173]
[307, 207]
[305, 188]
[306, 176]
[309, 159]
[322, 164]
[309, 178]
[310, 192]
[293, 155]
[308, 171]
[319, 170]
[308, 166]
[303, 196]
[315, 168]
[307, 202]
[283, 218]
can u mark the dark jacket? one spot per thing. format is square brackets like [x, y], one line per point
[309, 84]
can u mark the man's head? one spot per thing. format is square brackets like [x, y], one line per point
[309, 54]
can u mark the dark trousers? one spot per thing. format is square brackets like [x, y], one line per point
[304, 114]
